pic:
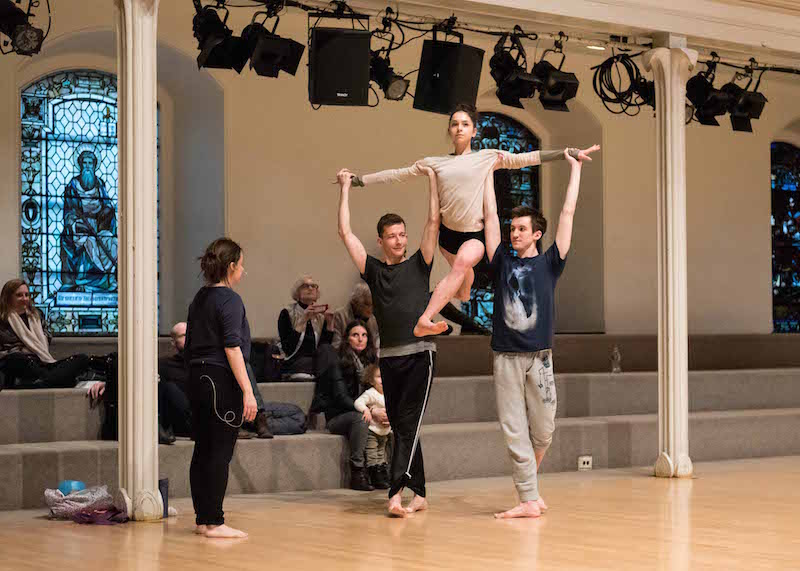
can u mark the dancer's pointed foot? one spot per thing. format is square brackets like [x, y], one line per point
[524, 509]
[427, 327]
[223, 531]
[201, 529]
[395, 506]
[418, 504]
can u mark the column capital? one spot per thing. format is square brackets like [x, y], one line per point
[669, 59]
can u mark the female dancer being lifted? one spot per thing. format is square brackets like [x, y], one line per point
[462, 178]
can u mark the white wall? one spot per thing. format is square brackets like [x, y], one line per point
[280, 157]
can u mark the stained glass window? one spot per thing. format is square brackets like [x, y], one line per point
[785, 238]
[512, 188]
[69, 200]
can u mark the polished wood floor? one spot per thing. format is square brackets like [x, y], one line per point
[732, 515]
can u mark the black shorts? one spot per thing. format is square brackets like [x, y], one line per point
[451, 241]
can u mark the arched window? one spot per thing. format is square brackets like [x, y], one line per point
[785, 238]
[512, 188]
[69, 200]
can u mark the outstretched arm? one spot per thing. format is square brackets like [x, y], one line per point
[391, 175]
[430, 234]
[564, 231]
[354, 246]
[491, 221]
[508, 160]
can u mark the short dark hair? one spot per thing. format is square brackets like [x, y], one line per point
[538, 222]
[219, 254]
[389, 219]
[469, 110]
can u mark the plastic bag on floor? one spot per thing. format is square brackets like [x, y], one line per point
[65, 507]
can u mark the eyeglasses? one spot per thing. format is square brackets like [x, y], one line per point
[309, 286]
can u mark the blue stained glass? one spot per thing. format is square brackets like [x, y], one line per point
[785, 221]
[512, 188]
[68, 188]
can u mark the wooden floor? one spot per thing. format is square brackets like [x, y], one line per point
[732, 515]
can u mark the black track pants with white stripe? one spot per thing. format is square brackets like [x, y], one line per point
[406, 387]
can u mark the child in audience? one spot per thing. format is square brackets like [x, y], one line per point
[378, 435]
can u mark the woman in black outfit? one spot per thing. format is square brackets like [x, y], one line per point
[217, 352]
[338, 385]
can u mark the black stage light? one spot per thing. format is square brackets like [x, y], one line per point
[556, 87]
[26, 39]
[708, 101]
[393, 85]
[219, 48]
[508, 71]
[744, 106]
[270, 53]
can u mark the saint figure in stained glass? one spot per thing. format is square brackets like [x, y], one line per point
[89, 238]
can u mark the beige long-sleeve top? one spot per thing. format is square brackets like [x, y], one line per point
[462, 181]
[369, 398]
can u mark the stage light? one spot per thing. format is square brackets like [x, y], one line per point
[708, 101]
[556, 87]
[393, 85]
[508, 71]
[26, 39]
[744, 105]
[219, 48]
[269, 53]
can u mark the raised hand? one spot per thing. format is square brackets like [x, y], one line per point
[583, 155]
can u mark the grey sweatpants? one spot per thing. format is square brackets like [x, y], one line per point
[526, 404]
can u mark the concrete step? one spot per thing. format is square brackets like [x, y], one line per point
[50, 415]
[316, 461]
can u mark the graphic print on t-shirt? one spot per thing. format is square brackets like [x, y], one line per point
[519, 299]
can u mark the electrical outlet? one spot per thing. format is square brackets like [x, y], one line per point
[584, 463]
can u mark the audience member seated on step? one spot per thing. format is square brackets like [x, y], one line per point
[378, 437]
[25, 359]
[338, 386]
[359, 307]
[304, 326]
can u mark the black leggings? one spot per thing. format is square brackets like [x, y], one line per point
[26, 371]
[406, 387]
[214, 439]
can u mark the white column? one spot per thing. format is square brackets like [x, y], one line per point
[138, 433]
[671, 66]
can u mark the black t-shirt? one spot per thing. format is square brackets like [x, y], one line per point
[524, 308]
[216, 320]
[400, 294]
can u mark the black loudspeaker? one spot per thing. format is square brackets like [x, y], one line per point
[339, 67]
[449, 73]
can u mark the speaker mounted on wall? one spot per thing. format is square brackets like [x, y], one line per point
[449, 74]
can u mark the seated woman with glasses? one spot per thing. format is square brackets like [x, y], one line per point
[303, 326]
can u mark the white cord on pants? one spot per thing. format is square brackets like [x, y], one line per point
[230, 416]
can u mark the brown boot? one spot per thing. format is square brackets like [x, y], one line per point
[262, 428]
[244, 434]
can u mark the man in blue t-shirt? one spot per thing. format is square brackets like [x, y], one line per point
[522, 338]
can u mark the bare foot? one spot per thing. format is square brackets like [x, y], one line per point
[201, 529]
[395, 506]
[427, 327]
[223, 531]
[542, 505]
[524, 509]
[465, 291]
[418, 504]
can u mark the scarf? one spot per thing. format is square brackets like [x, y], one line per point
[296, 312]
[33, 336]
